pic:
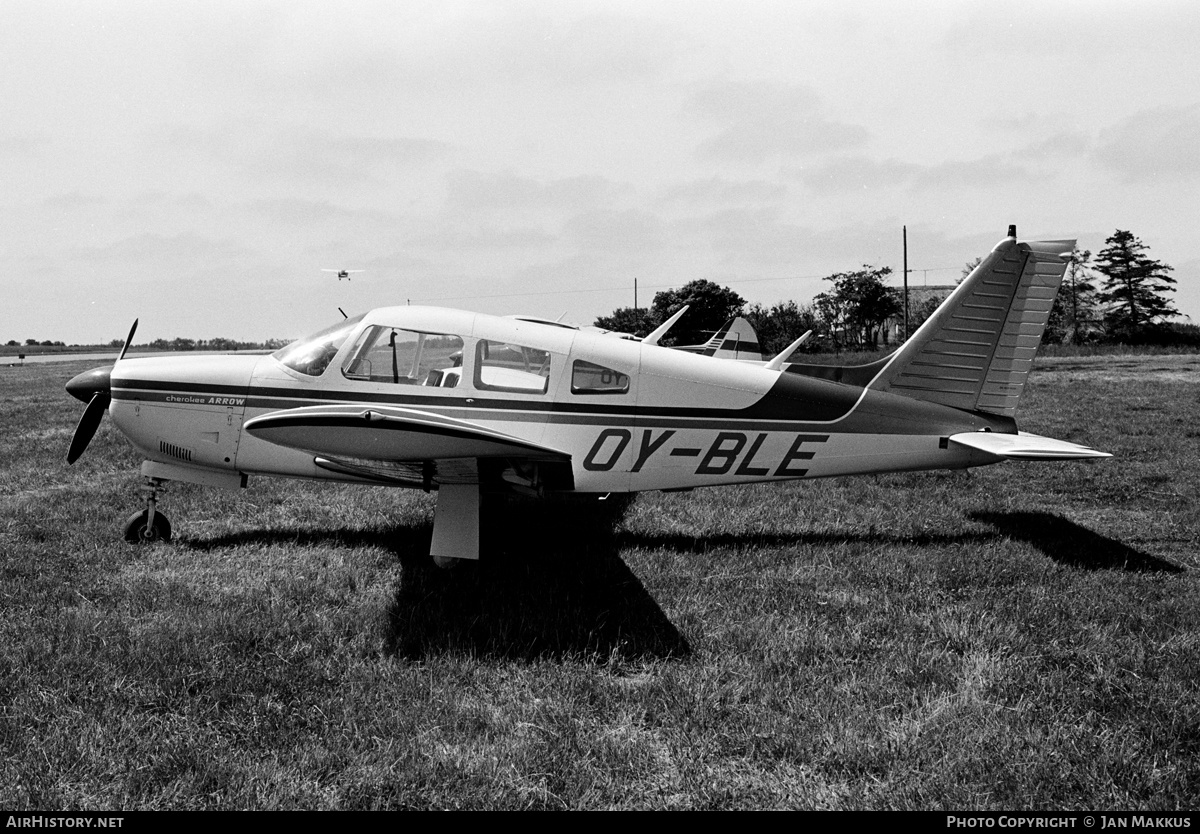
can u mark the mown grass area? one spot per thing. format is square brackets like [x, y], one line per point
[1015, 637]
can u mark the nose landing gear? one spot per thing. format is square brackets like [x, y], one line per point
[148, 525]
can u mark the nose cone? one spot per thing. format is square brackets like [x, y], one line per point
[90, 383]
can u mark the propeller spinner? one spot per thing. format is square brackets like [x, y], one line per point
[93, 387]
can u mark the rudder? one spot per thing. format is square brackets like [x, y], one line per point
[975, 352]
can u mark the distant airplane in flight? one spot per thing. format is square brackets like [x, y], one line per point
[344, 273]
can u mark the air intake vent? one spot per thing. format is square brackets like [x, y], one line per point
[174, 451]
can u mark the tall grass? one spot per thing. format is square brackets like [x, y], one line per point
[1021, 636]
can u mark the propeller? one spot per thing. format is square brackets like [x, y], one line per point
[93, 387]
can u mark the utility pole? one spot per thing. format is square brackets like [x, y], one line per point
[905, 228]
[635, 293]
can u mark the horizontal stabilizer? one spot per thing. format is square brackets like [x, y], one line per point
[1024, 446]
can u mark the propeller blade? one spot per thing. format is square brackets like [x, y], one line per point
[128, 340]
[88, 423]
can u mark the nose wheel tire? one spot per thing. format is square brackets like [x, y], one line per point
[138, 531]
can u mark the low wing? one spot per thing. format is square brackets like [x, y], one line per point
[1023, 446]
[388, 443]
[407, 447]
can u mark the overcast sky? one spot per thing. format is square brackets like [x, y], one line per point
[196, 165]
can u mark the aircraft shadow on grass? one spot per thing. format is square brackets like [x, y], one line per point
[550, 583]
[1069, 544]
[1061, 540]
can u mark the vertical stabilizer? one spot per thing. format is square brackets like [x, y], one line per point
[737, 341]
[975, 352]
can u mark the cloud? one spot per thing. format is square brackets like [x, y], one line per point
[981, 172]
[1114, 28]
[722, 191]
[475, 190]
[303, 154]
[856, 173]
[23, 144]
[403, 52]
[750, 236]
[148, 251]
[485, 237]
[614, 231]
[1155, 145]
[295, 211]
[1071, 144]
[763, 120]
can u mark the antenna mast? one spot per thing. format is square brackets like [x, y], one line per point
[905, 228]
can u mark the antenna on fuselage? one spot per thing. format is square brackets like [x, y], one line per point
[786, 354]
[343, 312]
[662, 329]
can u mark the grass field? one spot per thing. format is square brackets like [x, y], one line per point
[1014, 637]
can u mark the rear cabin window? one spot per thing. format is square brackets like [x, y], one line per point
[405, 357]
[589, 378]
[500, 366]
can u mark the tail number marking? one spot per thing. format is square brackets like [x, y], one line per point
[725, 450]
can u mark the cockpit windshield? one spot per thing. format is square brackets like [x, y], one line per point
[312, 354]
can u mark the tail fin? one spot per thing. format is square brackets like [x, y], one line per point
[976, 350]
[735, 340]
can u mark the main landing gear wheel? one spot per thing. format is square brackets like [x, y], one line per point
[141, 529]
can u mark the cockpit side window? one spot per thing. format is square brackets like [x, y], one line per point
[590, 378]
[312, 354]
[500, 366]
[405, 357]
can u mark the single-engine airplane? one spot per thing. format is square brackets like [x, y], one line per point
[471, 404]
[344, 273]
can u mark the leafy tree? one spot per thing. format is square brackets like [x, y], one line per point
[709, 306]
[636, 320]
[1133, 287]
[920, 312]
[1073, 319]
[968, 268]
[782, 324]
[863, 302]
[831, 311]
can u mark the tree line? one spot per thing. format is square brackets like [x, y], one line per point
[1119, 295]
[217, 344]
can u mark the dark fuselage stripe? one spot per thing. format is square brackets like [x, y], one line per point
[783, 403]
[457, 409]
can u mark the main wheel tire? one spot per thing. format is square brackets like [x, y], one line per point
[137, 531]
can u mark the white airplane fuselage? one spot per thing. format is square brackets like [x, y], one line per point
[470, 404]
[682, 421]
